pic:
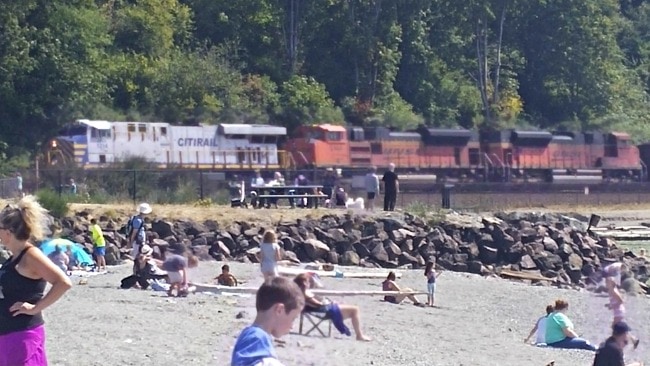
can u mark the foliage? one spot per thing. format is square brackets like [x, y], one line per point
[57, 205]
[489, 63]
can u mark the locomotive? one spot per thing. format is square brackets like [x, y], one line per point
[447, 154]
[465, 155]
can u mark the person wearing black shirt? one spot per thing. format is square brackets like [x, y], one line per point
[391, 188]
[610, 353]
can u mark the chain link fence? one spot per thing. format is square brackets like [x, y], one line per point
[189, 186]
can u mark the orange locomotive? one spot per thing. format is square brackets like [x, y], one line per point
[458, 154]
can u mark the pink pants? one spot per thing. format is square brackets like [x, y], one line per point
[24, 348]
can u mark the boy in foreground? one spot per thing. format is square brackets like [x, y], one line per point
[279, 301]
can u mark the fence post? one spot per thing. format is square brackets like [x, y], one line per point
[446, 196]
[201, 184]
[134, 187]
[60, 185]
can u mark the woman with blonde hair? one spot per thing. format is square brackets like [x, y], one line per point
[269, 255]
[23, 279]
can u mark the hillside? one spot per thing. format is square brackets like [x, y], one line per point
[494, 63]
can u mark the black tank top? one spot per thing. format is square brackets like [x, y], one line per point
[17, 288]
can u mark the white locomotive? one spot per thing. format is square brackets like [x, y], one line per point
[92, 144]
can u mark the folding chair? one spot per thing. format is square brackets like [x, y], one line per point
[316, 319]
[241, 200]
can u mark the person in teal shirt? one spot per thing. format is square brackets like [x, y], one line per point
[559, 330]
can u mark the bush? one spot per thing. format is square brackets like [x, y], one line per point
[56, 204]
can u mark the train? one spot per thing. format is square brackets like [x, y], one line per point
[449, 155]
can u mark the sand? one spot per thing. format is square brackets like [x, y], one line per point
[480, 321]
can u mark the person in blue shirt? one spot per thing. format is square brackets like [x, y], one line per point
[138, 235]
[279, 301]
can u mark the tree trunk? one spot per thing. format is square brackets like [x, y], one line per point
[497, 67]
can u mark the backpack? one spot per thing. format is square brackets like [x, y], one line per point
[129, 228]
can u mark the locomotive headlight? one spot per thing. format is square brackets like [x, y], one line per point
[54, 144]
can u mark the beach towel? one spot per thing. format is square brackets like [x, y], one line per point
[335, 315]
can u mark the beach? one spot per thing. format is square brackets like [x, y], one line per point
[478, 321]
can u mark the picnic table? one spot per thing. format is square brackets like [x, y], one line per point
[267, 194]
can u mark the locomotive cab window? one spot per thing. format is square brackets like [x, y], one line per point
[96, 134]
[142, 128]
[334, 136]
[131, 127]
[257, 139]
[163, 131]
[315, 134]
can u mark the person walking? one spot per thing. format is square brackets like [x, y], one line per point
[23, 280]
[610, 353]
[391, 188]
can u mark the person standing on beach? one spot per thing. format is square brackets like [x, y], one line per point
[431, 275]
[23, 279]
[99, 243]
[138, 236]
[269, 255]
[391, 188]
[372, 188]
[278, 302]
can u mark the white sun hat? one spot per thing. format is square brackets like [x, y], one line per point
[144, 208]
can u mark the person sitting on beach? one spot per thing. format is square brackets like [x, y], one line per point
[269, 255]
[278, 302]
[73, 263]
[176, 266]
[560, 332]
[226, 278]
[390, 285]
[610, 353]
[337, 312]
[59, 258]
[143, 270]
[540, 328]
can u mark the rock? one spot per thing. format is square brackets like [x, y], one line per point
[315, 249]
[554, 245]
[350, 258]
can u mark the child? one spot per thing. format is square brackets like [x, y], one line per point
[431, 275]
[269, 255]
[226, 278]
[176, 267]
[99, 243]
[279, 301]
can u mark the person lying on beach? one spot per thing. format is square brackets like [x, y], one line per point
[278, 302]
[337, 312]
[176, 266]
[540, 328]
[560, 332]
[390, 285]
[226, 278]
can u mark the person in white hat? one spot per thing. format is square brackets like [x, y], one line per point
[137, 235]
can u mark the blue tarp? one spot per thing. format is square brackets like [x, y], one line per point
[83, 258]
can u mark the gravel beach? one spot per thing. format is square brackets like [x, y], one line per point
[480, 321]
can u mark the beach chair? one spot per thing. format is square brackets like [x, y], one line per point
[241, 200]
[318, 321]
